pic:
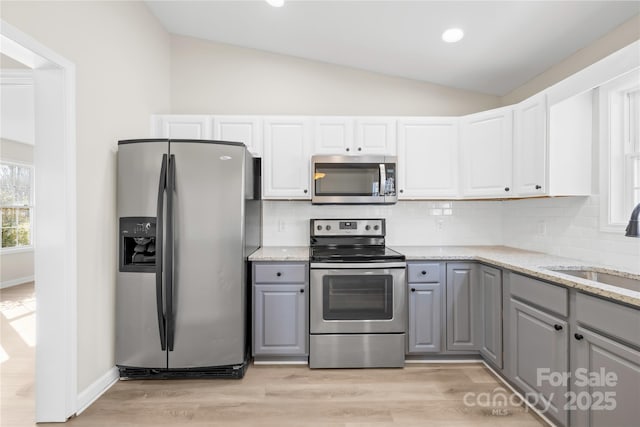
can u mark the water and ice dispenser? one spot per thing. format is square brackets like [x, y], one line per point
[137, 251]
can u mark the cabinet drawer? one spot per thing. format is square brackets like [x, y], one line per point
[614, 319]
[550, 297]
[280, 273]
[424, 272]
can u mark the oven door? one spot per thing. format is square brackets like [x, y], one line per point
[358, 300]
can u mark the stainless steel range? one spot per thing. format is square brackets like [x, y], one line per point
[358, 308]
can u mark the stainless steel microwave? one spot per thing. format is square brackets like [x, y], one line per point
[354, 180]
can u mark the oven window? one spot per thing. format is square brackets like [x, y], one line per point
[357, 297]
[347, 180]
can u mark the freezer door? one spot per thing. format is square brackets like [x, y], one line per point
[138, 333]
[209, 288]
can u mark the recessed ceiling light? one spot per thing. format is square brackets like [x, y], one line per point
[453, 35]
[276, 3]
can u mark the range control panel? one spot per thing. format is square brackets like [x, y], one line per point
[347, 227]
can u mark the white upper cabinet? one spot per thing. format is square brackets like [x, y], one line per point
[530, 146]
[182, 126]
[286, 165]
[375, 135]
[245, 129]
[487, 140]
[333, 135]
[428, 158]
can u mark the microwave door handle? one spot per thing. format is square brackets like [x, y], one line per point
[383, 180]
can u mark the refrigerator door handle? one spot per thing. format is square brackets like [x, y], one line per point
[169, 270]
[162, 185]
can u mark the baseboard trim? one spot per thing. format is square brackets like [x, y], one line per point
[15, 282]
[97, 389]
[522, 398]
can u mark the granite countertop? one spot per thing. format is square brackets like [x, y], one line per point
[281, 253]
[518, 260]
[534, 264]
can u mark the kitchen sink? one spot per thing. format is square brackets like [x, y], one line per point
[600, 276]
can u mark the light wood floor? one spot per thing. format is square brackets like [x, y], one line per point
[418, 395]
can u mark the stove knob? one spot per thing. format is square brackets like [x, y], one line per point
[319, 227]
[328, 227]
[368, 227]
[376, 227]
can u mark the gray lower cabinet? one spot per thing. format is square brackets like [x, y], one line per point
[605, 346]
[538, 346]
[490, 282]
[463, 320]
[612, 399]
[280, 310]
[425, 300]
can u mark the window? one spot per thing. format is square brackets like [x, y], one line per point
[620, 150]
[16, 194]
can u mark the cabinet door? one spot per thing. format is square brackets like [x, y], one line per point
[286, 158]
[181, 126]
[245, 129]
[428, 158]
[491, 314]
[462, 310]
[425, 300]
[280, 322]
[486, 151]
[333, 135]
[602, 405]
[539, 344]
[375, 136]
[530, 146]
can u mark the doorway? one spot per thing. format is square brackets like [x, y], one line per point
[55, 219]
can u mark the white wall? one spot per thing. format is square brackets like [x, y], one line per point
[122, 59]
[16, 267]
[215, 78]
[615, 40]
[286, 223]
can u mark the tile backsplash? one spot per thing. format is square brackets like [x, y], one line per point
[286, 223]
[570, 227]
[564, 226]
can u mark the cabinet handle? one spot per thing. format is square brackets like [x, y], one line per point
[538, 187]
[413, 289]
[402, 191]
[359, 148]
[278, 274]
[557, 327]
[506, 188]
[305, 191]
[424, 273]
[578, 336]
[302, 291]
[347, 148]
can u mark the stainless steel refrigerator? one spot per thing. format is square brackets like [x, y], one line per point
[189, 215]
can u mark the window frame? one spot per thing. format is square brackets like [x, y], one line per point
[616, 151]
[31, 207]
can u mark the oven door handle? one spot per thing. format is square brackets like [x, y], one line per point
[359, 265]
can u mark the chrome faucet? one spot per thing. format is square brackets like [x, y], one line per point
[632, 228]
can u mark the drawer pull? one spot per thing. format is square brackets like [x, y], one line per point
[557, 327]
[278, 274]
[424, 273]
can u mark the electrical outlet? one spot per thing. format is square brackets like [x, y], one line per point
[439, 224]
[281, 225]
[542, 228]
